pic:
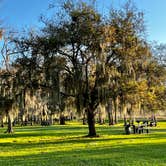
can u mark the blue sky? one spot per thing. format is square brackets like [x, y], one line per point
[155, 12]
[18, 14]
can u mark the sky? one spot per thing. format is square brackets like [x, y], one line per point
[19, 14]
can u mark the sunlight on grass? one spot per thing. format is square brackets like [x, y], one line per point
[66, 145]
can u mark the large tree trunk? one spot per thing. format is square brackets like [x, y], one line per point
[91, 123]
[9, 126]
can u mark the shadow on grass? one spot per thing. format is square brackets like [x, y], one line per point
[144, 154]
[76, 140]
[52, 131]
[59, 131]
[158, 130]
[83, 151]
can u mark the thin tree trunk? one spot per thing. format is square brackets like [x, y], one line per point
[9, 126]
[91, 123]
[110, 113]
[2, 122]
[124, 111]
[22, 117]
[51, 120]
[22, 105]
[62, 119]
[101, 113]
[133, 109]
[115, 101]
[84, 120]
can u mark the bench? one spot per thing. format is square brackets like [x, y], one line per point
[141, 129]
[25, 123]
[153, 124]
[45, 123]
[131, 128]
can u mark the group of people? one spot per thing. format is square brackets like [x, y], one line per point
[141, 126]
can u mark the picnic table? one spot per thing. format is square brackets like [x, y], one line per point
[140, 127]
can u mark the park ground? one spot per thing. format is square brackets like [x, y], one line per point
[66, 146]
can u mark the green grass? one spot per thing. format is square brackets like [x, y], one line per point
[66, 145]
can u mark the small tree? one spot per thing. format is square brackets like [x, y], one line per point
[8, 90]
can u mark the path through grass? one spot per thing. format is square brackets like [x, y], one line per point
[65, 145]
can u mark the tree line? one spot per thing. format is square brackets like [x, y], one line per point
[83, 61]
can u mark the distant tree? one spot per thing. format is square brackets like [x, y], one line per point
[130, 52]
[159, 53]
[8, 97]
[9, 90]
[155, 96]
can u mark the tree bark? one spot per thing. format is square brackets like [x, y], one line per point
[100, 120]
[84, 119]
[62, 119]
[91, 123]
[133, 109]
[115, 101]
[110, 113]
[9, 126]
[22, 105]
[124, 112]
[2, 123]
[101, 113]
[51, 119]
[22, 117]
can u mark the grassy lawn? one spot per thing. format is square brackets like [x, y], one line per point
[65, 145]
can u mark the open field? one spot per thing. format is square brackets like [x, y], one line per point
[66, 145]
